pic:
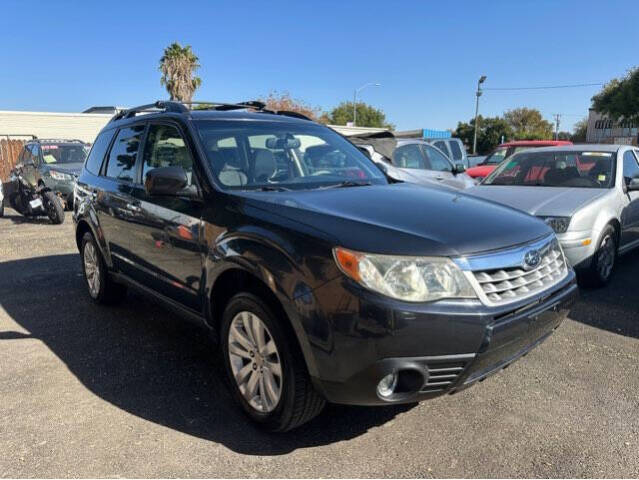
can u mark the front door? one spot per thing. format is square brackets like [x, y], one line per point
[442, 167]
[630, 213]
[166, 236]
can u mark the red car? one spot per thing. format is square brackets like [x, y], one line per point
[505, 150]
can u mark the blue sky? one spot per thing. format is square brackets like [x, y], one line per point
[428, 55]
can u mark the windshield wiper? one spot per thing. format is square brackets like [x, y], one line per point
[270, 188]
[349, 183]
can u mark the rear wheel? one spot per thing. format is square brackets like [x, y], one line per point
[603, 261]
[54, 208]
[102, 289]
[265, 368]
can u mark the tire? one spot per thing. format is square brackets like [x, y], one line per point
[603, 261]
[2, 208]
[55, 210]
[102, 289]
[297, 402]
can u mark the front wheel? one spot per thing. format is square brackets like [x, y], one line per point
[265, 367]
[54, 208]
[603, 261]
[102, 289]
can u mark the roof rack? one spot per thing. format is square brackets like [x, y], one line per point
[57, 140]
[181, 107]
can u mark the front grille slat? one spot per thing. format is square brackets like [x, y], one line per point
[443, 373]
[504, 285]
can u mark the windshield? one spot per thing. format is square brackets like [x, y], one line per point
[496, 157]
[64, 153]
[583, 169]
[259, 155]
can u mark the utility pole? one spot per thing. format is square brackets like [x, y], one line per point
[557, 120]
[482, 79]
[355, 92]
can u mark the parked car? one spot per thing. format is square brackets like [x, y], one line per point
[413, 160]
[56, 163]
[504, 151]
[589, 194]
[320, 278]
[453, 148]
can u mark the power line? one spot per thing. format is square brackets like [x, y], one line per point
[546, 87]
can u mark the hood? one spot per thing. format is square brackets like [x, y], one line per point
[540, 201]
[70, 168]
[403, 219]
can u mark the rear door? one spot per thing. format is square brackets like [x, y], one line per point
[166, 233]
[113, 201]
[630, 213]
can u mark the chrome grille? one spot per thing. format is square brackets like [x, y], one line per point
[505, 285]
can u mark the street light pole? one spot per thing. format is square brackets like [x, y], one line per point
[357, 90]
[478, 94]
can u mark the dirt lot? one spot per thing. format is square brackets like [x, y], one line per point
[133, 391]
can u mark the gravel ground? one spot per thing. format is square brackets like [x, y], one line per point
[134, 391]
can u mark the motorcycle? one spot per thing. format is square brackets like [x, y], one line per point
[27, 194]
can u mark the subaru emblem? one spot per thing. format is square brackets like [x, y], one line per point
[532, 259]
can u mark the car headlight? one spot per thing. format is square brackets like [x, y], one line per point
[59, 175]
[558, 224]
[413, 279]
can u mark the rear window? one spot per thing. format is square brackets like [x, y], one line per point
[96, 156]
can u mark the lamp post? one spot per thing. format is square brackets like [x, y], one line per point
[482, 79]
[357, 90]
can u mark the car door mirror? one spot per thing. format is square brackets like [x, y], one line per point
[633, 185]
[459, 168]
[166, 181]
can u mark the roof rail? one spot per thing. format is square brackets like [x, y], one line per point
[58, 140]
[181, 107]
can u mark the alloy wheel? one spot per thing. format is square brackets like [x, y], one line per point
[92, 269]
[255, 362]
[606, 257]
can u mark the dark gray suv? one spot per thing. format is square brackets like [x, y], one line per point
[320, 278]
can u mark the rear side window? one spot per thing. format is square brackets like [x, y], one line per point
[96, 155]
[124, 152]
[456, 151]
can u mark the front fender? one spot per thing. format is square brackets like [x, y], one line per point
[84, 215]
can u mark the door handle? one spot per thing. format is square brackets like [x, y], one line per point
[133, 208]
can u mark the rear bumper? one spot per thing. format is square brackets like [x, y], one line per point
[501, 339]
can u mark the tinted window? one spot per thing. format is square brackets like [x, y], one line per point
[121, 163]
[456, 150]
[410, 156]
[630, 166]
[165, 147]
[442, 147]
[437, 160]
[94, 161]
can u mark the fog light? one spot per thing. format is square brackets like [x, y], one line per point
[386, 385]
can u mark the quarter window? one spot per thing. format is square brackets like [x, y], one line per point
[165, 147]
[96, 155]
[121, 163]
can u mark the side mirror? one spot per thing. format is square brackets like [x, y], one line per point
[460, 168]
[166, 181]
[633, 185]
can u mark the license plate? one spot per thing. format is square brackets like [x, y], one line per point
[37, 203]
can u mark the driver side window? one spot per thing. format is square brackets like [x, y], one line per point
[438, 161]
[410, 156]
[630, 166]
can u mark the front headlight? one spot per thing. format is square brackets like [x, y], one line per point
[59, 175]
[558, 224]
[413, 279]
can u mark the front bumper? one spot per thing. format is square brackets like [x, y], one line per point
[578, 247]
[442, 348]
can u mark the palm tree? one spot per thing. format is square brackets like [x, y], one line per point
[178, 65]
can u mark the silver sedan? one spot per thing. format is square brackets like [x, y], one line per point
[589, 194]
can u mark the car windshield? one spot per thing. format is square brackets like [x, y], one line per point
[496, 157]
[582, 169]
[277, 155]
[64, 153]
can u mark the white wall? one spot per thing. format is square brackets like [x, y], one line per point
[81, 126]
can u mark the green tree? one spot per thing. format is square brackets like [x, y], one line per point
[367, 115]
[564, 135]
[579, 131]
[528, 124]
[284, 101]
[178, 65]
[490, 133]
[619, 98]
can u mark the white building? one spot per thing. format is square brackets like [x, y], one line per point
[81, 126]
[603, 130]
